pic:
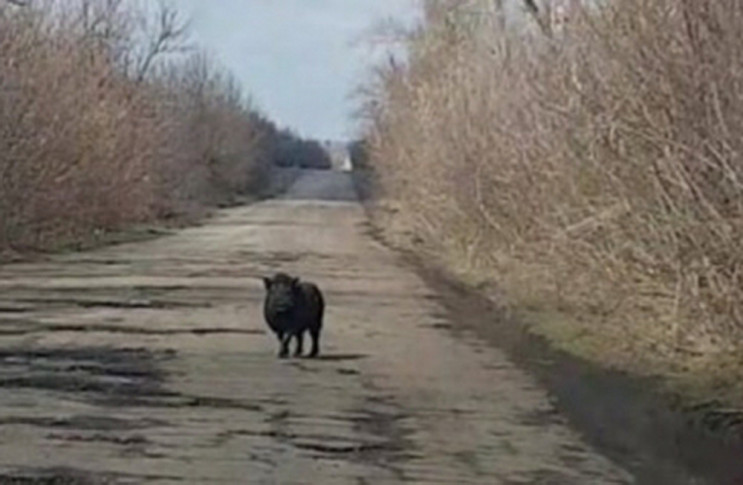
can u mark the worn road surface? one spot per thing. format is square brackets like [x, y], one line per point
[150, 363]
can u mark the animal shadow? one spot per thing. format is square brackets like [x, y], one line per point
[340, 357]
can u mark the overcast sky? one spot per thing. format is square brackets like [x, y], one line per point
[296, 57]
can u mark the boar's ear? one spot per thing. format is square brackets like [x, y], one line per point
[295, 282]
[267, 282]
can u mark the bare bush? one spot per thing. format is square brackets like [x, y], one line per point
[596, 172]
[103, 126]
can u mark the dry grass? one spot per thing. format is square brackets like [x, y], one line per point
[101, 129]
[597, 174]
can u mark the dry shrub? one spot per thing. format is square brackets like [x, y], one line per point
[218, 146]
[98, 132]
[66, 126]
[596, 172]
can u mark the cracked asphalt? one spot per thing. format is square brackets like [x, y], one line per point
[150, 362]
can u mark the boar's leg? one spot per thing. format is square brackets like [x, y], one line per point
[284, 350]
[300, 344]
[315, 334]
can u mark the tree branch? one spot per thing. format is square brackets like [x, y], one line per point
[542, 18]
[168, 38]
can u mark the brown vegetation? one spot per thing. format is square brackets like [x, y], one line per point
[108, 117]
[594, 174]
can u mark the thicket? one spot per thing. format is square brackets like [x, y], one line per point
[292, 150]
[111, 116]
[594, 170]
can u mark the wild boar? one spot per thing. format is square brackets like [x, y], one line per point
[291, 308]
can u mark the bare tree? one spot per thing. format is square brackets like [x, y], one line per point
[102, 18]
[166, 35]
[542, 15]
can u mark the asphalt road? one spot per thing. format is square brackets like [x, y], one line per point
[150, 363]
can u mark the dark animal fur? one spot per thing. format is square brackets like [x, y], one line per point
[291, 308]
